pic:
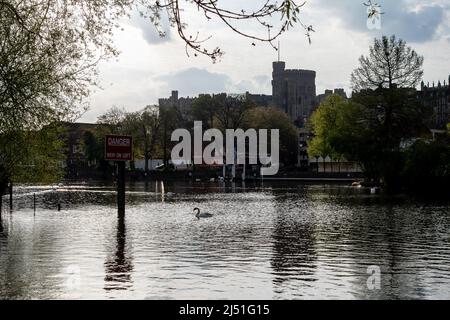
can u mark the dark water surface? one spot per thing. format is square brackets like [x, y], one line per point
[271, 241]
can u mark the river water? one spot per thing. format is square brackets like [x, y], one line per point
[264, 241]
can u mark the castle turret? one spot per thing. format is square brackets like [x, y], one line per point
[174, 95]
[278, 87]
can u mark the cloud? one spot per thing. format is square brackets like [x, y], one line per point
[410, 20]
[260, 84]
[148, 29]
[146, 72]
[194, 81]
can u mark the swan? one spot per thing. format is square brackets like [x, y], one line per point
[202, 214]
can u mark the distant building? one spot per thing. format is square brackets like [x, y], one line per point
[340, 92]
[294, 91]
[183, 105]
[261, 100]
[328, 165]
[76, 160]
[437, 98]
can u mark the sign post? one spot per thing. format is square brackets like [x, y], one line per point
[120, 150]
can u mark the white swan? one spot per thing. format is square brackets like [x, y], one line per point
[202, 214]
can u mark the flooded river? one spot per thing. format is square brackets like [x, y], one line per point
[264, 241]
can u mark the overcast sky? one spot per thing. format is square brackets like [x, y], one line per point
[150, 67]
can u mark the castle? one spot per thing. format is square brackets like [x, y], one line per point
[294, 91]
[437, 99]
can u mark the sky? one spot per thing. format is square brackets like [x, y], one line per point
[150, 67]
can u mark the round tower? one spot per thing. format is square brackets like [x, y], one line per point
[278, 86]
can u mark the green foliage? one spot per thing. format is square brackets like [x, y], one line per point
[32, 156]
[355, 132]
[360, 133]
[338, 128]
[395, 114]
[94, 147]
[273, 118]
[169, 121]
[382, 114]
[427, 166]
[48, 53]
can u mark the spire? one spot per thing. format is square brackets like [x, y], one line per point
[279, 51]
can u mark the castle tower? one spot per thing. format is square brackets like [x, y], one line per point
[278, 85]
[293, 91]
[174, 95]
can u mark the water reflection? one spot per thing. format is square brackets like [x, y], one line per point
[265, 241]
[294, 254]
[119, 265]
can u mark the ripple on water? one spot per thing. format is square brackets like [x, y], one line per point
[280, 242]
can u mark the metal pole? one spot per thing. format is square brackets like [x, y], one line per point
[121, 188]
[34, 203]
[11, 196]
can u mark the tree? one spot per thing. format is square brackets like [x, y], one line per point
[144, 127]
[31, 156]
[94, 148]
[343, 129]
[385, 85]
[390, 64]
[49, 50]
[231, 111]
[274, 118]
[356, 130]
[169, 121]
[48, 53]
[427, 167]
[113, 117]
[396, 114]
[204, 109]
